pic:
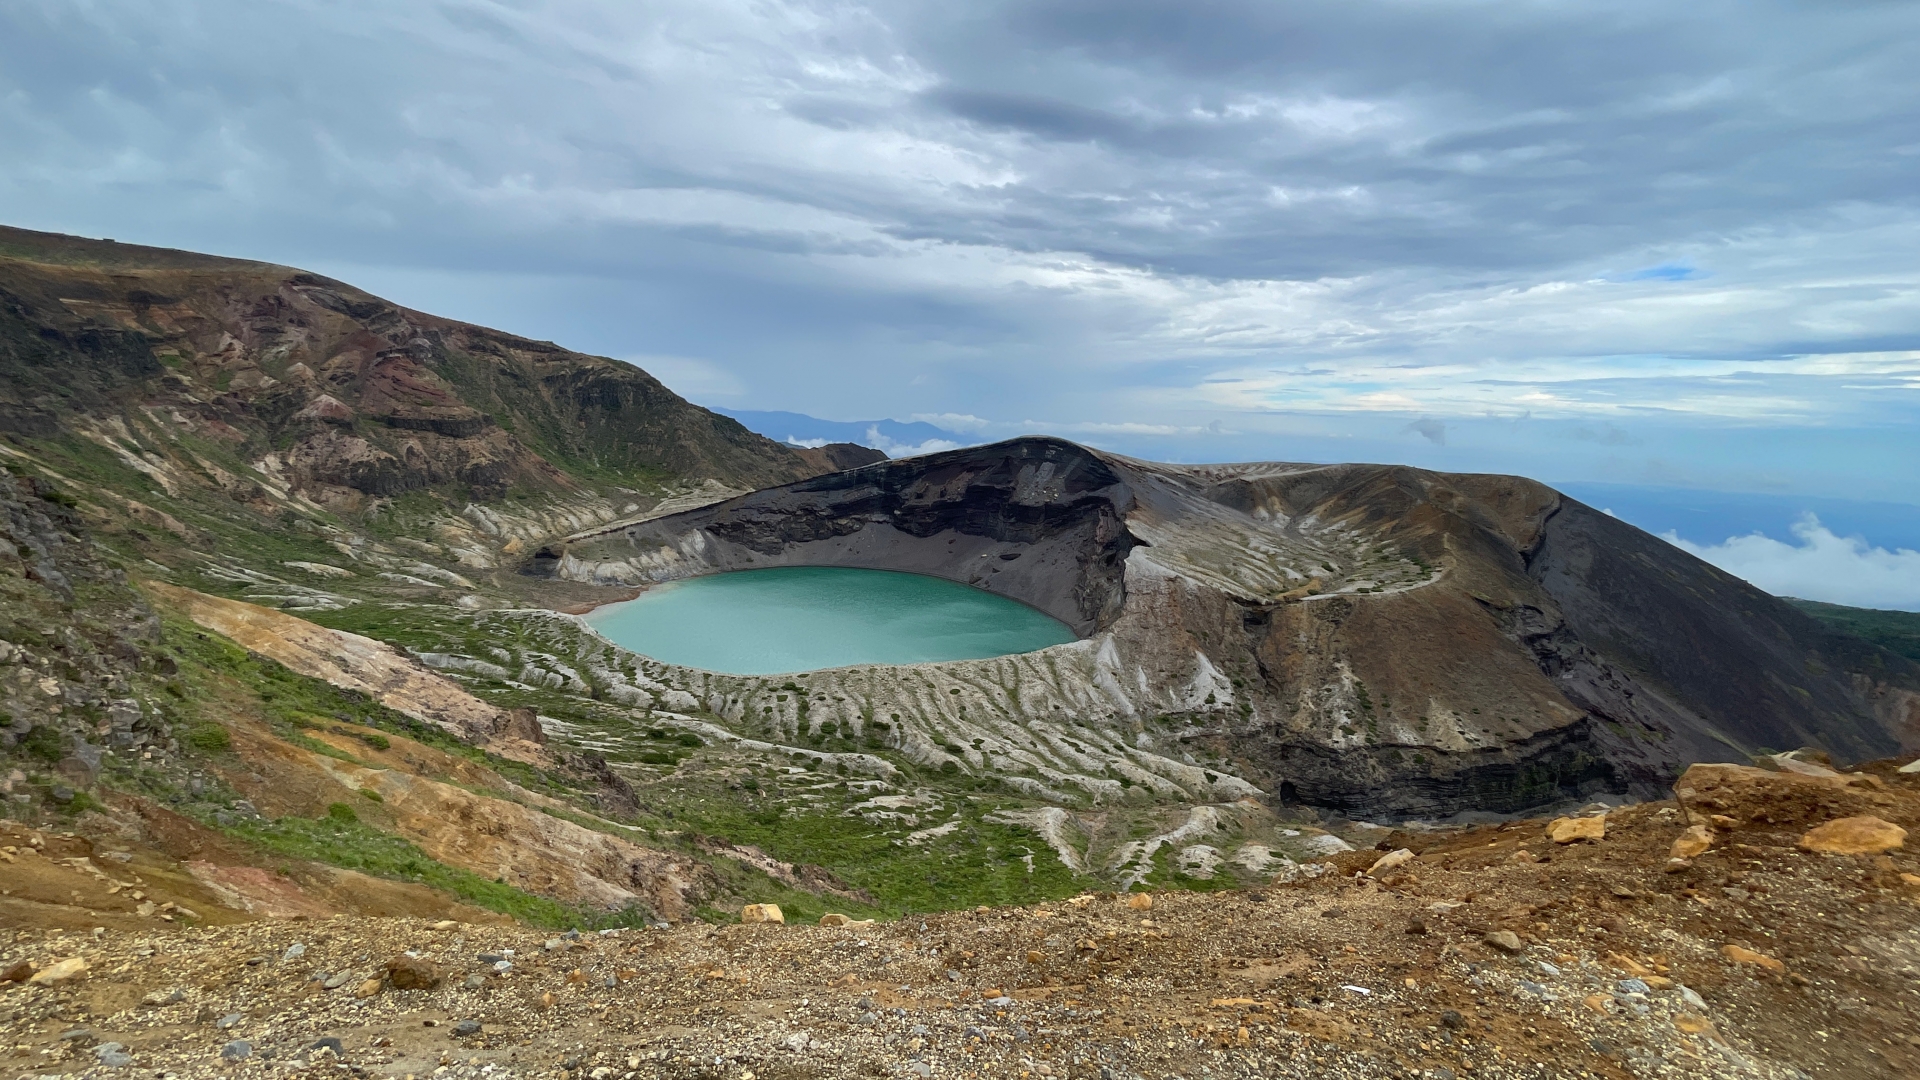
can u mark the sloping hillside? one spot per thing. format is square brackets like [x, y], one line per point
[301, 385]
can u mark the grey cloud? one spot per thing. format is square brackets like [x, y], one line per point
[1090, 209]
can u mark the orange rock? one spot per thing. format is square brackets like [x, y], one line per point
[1628, 964]
[1692, 1024]
[1140, 902]
[769, 913]
[1862, 835]
[1599, 1003]
[1566, 830]
[1692, 843]
[1747, 956]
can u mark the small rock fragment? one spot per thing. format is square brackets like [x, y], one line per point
[834, 918]
[1140, 902]
[113, 1055]
[1506, 941]
[1692, 1024]
[294, 951]
[467, 1027]
[762, 913]
[237, 1050]
[1861, 835]
[367, 989]
[1388, 862]
[18, 971]
[1567, 830]
[1692, 844]
[228, 1022]
[328, 1044]
[1741, 955]
[59, 971]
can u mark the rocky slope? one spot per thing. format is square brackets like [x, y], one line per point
[1372, 640]
[1576, 947]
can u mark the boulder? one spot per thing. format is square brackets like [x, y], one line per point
[1860, 835]
[762, 913]
[1758, 799]
[1140, 902]
[1567, 830]
[412, 973]
[833, 918]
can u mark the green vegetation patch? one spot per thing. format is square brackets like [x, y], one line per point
[1894, 631]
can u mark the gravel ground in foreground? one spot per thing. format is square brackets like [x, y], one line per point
[1490, 953]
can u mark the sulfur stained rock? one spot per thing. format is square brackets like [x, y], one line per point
[1567, 830]
[1692, 843]
[1863, 834]
[59, 971]
[762, 913]
[1740, 955]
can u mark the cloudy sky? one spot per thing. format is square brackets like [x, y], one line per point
[1649, 243]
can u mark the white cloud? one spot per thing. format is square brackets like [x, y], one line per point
[903, 450]
[806, 444]
[1822, 566]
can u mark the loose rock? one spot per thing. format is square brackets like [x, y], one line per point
[1860, 835]
[1506, 941]
[1567, 830]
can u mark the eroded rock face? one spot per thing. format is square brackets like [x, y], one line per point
[1378, 640]
[1038, 520]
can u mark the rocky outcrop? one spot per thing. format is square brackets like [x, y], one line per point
[1374, 640]
[364, 665]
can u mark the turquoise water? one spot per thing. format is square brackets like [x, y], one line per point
[803, 618]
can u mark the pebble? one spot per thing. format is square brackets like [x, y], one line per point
[228, 1021]
[113, 1055]
[237, 1050]
[467, 1027]
[1506, 941]
[294, 951]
